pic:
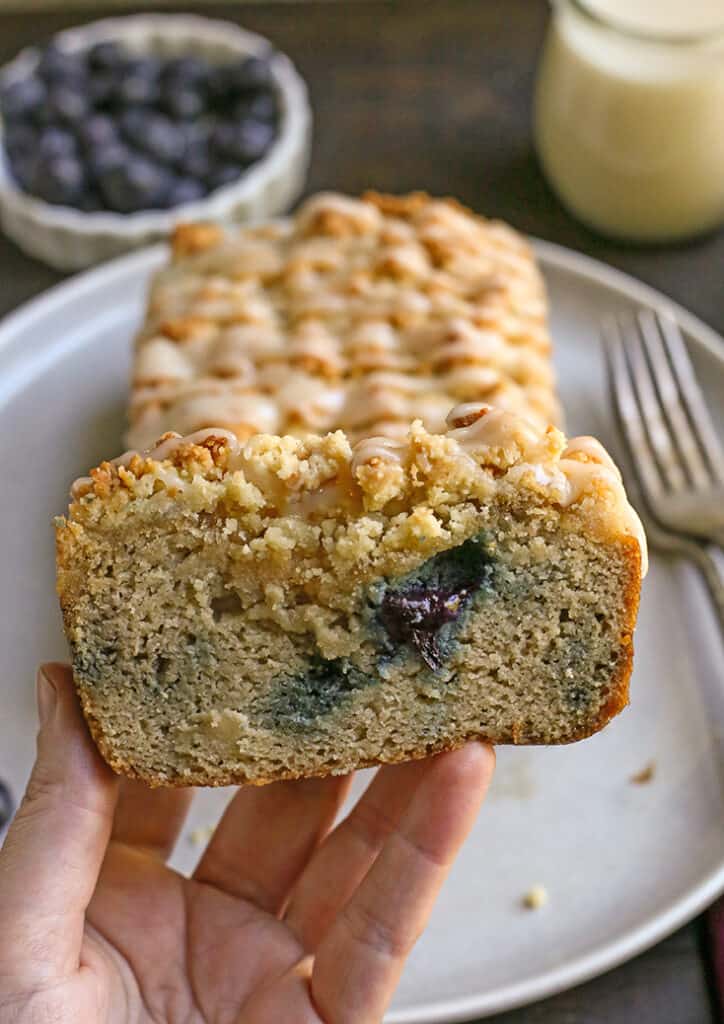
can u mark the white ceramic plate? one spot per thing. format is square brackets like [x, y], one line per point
[623, 864]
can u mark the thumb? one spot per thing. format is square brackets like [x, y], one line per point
[53, 851]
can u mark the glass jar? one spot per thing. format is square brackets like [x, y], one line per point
[629, 114]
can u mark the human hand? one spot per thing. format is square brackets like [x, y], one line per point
[283, 921]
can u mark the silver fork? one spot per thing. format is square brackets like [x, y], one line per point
[675, 544]
[674, 448]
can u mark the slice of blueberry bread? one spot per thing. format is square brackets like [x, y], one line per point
[355, 314]
[284, 607]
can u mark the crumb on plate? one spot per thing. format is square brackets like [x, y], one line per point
[536, 897]
[645, 775]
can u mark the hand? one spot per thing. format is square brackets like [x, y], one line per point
[283, 921]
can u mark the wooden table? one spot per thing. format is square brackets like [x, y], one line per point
[437, 96]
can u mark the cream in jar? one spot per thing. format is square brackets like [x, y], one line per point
[629, 114]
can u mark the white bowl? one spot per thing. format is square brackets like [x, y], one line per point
[70, 239]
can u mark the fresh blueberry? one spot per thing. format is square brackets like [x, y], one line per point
[136, 185]
[107, 158]
[67, 103]
[139, 82]
[90, 202]
[21, 139]
[197, 132]
[227, 82]
[196, 162]
[133, 124]
[223, 174]
[185, 190]
[23, 98]
[164, 140]
[57, 65]
[182, 101]
[58, 179]
[102, 86]
[189, 70]
[105, 56]
[22, 167]
[97, 132]
[56, 142]
[262, 107]
[223, 138]
[253, 74]
[245, 142]
[154, 133]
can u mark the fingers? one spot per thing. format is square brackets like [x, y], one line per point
[347, 854]
[266, 837]
[358, 962]
[54, 848]
[150, 819]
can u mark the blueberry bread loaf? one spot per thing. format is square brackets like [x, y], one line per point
[356, 314]
[240, 612]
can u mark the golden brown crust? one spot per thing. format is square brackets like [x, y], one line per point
[188, 239]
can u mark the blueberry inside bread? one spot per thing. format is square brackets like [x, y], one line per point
[293, 606]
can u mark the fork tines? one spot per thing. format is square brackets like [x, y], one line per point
[661, 407]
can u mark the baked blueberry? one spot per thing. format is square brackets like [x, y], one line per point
[415, 609]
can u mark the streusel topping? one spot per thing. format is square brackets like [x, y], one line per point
[357, 314]
[486, 452]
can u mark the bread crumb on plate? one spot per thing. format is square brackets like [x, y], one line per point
[646, 774]
[535, 898]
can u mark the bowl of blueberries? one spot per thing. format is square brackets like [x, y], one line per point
[116, 131]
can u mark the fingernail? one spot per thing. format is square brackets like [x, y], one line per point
[47, 695]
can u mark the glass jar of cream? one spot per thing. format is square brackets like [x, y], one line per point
[629, 114]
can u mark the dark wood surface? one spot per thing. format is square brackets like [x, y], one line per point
[437, 96]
